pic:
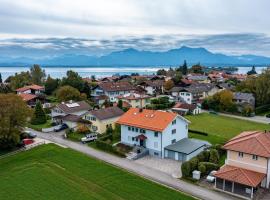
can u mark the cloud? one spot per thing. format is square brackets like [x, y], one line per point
[236, 44]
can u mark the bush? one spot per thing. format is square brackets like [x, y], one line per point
[267, 115]
[186, 169]
[219, 148]
[209, 166]
[203, 156]
[202, 168]
[198, 132]
[262, 109]
[214, 156]
[48, 117]
[194, 163]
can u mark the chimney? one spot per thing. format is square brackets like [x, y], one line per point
[140, 110]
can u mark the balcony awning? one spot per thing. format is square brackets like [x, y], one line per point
[141, 137]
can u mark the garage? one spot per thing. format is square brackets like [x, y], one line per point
[185, 149]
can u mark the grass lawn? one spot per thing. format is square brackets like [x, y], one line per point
[40, 126]
[49, 172]
[221, 128]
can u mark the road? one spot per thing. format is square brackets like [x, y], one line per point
[146, 172]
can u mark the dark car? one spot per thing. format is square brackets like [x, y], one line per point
[61, 127]
[30, 134]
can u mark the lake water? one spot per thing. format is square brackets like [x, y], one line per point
[59, 72]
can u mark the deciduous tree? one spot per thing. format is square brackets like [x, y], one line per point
[66, 93]
[37, 74]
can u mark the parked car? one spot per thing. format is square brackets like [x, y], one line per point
[30, 134]
[210, 178]
[89, 138]
[60, 128]
[28, 141]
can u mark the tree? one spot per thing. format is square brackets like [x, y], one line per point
[198, 69]
[20, 80]
[120, 104]
[177, 77]
[184, 68]
[51, 85]
[37, 74]
[214, 156]
[74, 80]
[5, 88]
[86, 89]
[13, 117]
[168, 85]
[66, 93]
[252, 71]
[1, 81]
[39, 116]
[162, 72]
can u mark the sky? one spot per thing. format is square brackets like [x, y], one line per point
[101, 26]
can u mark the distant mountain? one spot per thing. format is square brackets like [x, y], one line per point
[133, 57]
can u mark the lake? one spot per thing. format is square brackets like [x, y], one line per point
[59, 72]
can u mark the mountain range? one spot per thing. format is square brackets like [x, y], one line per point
[133, 57]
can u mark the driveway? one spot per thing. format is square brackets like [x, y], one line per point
[139, 169]
[168, 166]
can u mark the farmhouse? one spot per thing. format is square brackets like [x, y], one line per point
[247, 167]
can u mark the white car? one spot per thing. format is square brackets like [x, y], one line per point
[210, 178]
[89, 138]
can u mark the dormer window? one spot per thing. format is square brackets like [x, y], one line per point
[240, 154]
[254, 157]
[174, 122]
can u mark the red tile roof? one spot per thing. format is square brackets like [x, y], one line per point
[240, 175]
[185, 106]
[147, 119]
[27, 97]
[251, 142]
[33, 87]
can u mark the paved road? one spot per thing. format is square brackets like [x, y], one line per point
[144, 171]
[259, 119]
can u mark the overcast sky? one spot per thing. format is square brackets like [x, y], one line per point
[228, 26]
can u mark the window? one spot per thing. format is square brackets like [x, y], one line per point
[173, 141]
[254, 157]
[156, 134]
[174, 122]
[133, 138]
[133, 129]
[142, 131]
[156, 153]
[156, 145]
[136, 129]
[94, 128]
[129, 128]
[188, 94]
[173, 131]
[240, 154]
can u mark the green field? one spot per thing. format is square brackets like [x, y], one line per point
[221, 128]
[50, 172]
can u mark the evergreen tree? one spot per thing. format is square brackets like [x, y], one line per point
[120, 104]
[1, 81]
[86, 89]
[51, 85]
[39, 116]
[252, 71]
[184, 68]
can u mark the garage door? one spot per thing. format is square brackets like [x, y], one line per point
[171, 155]
[182, 157]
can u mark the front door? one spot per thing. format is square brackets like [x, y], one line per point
[141, 143]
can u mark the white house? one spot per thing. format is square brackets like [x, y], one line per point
[30, 89]
[113, 89]
[157, 131]
[153, 87]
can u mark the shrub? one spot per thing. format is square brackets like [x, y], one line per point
[219, 148]
[267, 115]
[203, 156]
[202, 168]
[186, 169]
[194, 163]
[39, 116]
[262, 109]
[209, 166]
[48, 117]
[198, 132]
[214, 156]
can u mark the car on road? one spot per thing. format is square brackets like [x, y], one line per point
[211, 178]
[89, 138]
[60, 128]
[29, 134]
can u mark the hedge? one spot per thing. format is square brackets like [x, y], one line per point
[262, 109]
[209, 166]
[186, 169]
[198, 132]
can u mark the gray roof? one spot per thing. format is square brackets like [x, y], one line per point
[195, 88]
[244, 96]
[80, 106]
[107, 113]
[187, 146]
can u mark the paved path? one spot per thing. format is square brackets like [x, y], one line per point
[144, 171]
[259, 119]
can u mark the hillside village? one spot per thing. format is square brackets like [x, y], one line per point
[164, 118]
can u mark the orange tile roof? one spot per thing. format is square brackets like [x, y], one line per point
[240, 175]
[34, 87]
[251, 142]
[27, 97]
[147, 119]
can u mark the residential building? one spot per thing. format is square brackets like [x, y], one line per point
[185, 108]
[194, 92]
[69, 112]
[198, 78]
[135, 100]
[153, 87]
[242, 99]
[103, 118]
[30, 99]
[247, 167]
[113, 89]
[30, 89]
[163, 134]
